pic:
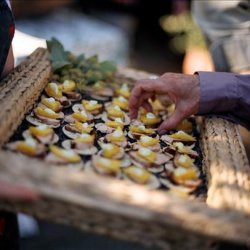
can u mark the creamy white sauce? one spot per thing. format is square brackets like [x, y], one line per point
[30, 142]
[83, 113]
[150, 115]
[85, 135]
[69, 153]
[105, 162]
[92, 103]
[180, 171]
[182, 159]
[42, 127]
[122, 99]
[49, 111]
[138, 171]
[145, 138]
[51, 99]
[54, 87]
[107, 146]
[117, 108]
[85, 125]
[66, 83]
[181, 132]
[141, 127]
[179, 145]
[144, 151]
[118, 120]
[124, 87]
[117, 133]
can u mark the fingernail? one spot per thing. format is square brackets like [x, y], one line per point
[161, 132]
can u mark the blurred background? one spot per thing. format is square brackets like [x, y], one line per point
[156, 36]
[148, 35]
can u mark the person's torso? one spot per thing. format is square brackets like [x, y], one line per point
[7, 29]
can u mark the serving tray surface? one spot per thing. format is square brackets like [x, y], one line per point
[120, 209]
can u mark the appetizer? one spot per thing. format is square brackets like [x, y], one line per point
[135, 132]
[79, 116]
[117, 137]
[150, 120]
[60, 156]
[83, 144]
[106, 166]
[182, 136]
[42, 133]
[148, 142]
[100, 91]
[121, 102]
[29, 147]
[123, 91]
[114, 112]
[141, 176]
[110, 126]
[183, 160]
[179, 136]
[92, 106]
[157, 106]
[188, 177]
[75, 129]
[185, 126]
[181, 148]
[50, 103]
[45, 116]
[112, 151]
[69, 90]
[150, 160]
[53, 90]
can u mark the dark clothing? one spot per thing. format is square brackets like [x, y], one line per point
[9, 236]
[6, 32]
[9, 239]
[226, 95]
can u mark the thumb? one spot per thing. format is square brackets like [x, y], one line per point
[171, 122]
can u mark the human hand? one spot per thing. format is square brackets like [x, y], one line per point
[183, 90]
[16, 192]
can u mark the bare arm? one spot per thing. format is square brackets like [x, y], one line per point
[9, 65]
[15, 192]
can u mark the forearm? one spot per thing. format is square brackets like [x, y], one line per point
[226, 95]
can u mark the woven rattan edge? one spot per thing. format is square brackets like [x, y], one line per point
[226, 165]
[72, 193]
[20, 90]
[87, 201]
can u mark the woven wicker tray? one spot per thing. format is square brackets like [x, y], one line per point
[124, 210]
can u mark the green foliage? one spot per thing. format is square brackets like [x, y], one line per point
[82, 70]
[58, 56]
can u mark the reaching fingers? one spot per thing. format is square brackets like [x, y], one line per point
[144, 90]
[140, 101]
[139, 95]
[147, 106]
[171, 122]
